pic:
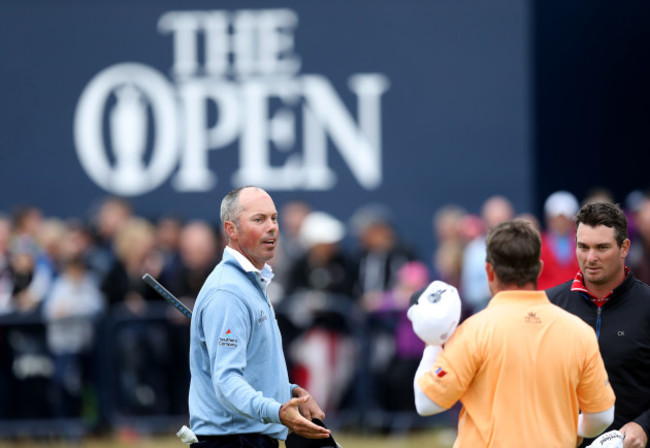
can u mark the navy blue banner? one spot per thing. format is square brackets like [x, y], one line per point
[415, 104]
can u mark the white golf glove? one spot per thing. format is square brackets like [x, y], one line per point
[186, 435]
[610, 439]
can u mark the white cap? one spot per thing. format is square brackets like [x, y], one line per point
[561, 203]
[611, 439]
[321, 228]
[435, 312]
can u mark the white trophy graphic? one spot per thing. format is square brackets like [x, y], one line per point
[128, 125]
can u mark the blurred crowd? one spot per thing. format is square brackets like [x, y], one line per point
[337, 303]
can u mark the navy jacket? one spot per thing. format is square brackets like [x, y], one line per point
[623, 329]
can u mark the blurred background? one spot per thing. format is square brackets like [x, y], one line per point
[391, 135]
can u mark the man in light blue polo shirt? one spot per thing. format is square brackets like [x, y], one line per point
[240, 393]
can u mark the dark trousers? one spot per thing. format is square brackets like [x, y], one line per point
[236, 441]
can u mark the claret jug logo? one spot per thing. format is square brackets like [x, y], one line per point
[134, 128]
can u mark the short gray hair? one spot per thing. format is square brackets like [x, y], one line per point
[230, 207]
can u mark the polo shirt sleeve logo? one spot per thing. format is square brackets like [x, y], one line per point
[440, 372]
[227, 341]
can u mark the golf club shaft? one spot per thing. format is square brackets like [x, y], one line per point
[168, 296]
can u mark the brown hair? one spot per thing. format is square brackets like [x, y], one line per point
[604, 214]
[514, 249]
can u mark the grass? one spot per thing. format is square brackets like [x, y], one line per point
[430, 438]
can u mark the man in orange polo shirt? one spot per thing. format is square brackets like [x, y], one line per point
[522, 368]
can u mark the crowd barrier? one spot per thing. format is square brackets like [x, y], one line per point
[136, 375]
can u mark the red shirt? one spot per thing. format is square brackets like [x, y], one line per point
[556, 269]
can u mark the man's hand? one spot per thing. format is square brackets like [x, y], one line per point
[291, 418]
[635, 436]
[310, 409]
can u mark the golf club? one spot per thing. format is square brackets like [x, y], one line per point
[168, 296]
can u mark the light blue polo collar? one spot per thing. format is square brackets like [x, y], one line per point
[264, 275]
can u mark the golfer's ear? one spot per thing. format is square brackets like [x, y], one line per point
[231, 230]
[489, 270]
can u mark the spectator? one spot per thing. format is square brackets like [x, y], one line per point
[199, 253]
[474, 284]
[26, 223]
[168, 231]
[290, 248]
[292, 214]
[77, 242]
[32, 275]
[322, 354]
[639, 257]
[135, 255]
[50, 236]
[558, 240]
[69, 311]
[382, 253]
[141, 344]
[113, 213]
[325, 266]
[598, 194]
[633, 201]
[23, 267]
[532, 219]
[448, 256]
[396, 348]
[6, 274]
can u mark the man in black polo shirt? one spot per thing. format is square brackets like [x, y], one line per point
[605, 294]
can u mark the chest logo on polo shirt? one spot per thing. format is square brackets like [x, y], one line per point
[262, 317]
[532, 318]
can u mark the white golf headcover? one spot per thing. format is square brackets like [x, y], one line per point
[610, 439]
[435, 312]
